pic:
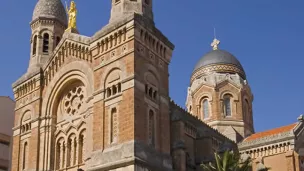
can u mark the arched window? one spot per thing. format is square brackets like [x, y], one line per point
[25, 155]
[114, 88]
[109, 92]
[58, 155]
[246, 110]
[155, 95]
[35, 45]
[81, 148]
[113, 125]
[57, 40]
[150, 92]
[205, 108]
[227, 105]
[119, 87]
[46, 38]
[151, 128]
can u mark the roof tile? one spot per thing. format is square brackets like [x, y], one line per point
[270, 132]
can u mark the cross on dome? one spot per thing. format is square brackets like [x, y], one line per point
[215, 44]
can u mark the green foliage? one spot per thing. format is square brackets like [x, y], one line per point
[228, 162]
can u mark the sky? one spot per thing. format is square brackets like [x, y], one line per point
[265, 35]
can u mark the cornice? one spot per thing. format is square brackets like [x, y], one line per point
[267, 140]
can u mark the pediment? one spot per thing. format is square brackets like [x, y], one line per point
[227, 83]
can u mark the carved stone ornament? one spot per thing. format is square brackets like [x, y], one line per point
[72, 101]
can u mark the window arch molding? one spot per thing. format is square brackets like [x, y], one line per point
[234, 96]
[202, 96]
[118, 65]
[150, 68]
[28, 109]
[151, 77]
[113, 83]
[232, 100]
[205, 108]
[41, 36]
[59, 81]
[45, 30]
[151, 85]
[73, 141]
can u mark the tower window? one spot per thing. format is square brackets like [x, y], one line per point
[114, 126]
[25, 153]
[35, 45]
[151, 128]
[246, 110]
[205, 108]
[57, 40]
[46, 38]
[227, 105]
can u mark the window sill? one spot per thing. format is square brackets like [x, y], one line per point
[113, 97]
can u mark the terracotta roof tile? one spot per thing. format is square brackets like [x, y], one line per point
[270, 132]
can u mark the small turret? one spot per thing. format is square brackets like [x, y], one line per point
[122, 8]
[48, 24]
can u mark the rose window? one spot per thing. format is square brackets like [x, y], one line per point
[73, 100]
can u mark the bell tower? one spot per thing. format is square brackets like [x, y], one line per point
[48, 24]
[122, 8]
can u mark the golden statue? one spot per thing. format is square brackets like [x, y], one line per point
[72, 13]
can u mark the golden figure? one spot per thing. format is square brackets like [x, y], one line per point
[72, 13]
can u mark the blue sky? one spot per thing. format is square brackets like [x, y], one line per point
[265, 35]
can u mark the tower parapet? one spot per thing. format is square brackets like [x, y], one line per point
[123, 8]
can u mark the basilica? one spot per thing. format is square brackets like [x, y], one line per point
[102, 102]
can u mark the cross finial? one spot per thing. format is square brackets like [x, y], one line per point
[215, 44]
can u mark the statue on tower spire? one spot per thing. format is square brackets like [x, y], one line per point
[72, 14]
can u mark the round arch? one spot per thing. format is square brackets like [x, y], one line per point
[234, 96]
[25, 110]
[114, 66]
[73, 71]
[202, 96]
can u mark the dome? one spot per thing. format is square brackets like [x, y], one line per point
[218, 57]
[50, 9]
[220, 61]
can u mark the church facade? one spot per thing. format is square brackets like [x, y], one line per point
[102, 102]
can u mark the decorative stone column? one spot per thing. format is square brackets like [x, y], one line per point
[61, 162]
[72, 157]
